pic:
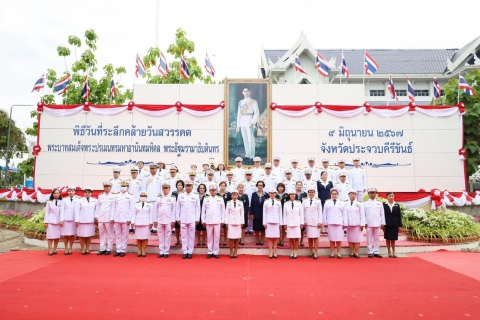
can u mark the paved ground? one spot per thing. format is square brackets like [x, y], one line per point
[10, 239]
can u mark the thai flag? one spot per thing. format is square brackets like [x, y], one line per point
[40, 84]
[321, 65]
[85, 89]
[61, 85]
[298, 65]
[437, 91]
[391, 88]
[140, 67]
[463, 84]
[209, 66]
[410, 91]
[113, 89]
[163, 66]
[371, 66]
[344, 67]
[184, 68]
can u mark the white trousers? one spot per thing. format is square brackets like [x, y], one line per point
[188, 237]
[213, 238]
[105, 229]
[360, 196]
[373, 236]
[248, 141]
[164, 238]
[121, 235]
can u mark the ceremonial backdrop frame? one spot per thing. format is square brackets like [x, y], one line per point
[241, 140]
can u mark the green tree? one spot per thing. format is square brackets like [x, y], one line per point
[184, 46]
[471, 119]
[86, 65]
[18, 144]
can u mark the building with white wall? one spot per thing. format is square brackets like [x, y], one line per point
[421, 65]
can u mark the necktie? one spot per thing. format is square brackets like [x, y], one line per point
[272, 202]
[351, 203]
[292, 205]
[88, 200]
[334, 202]
[143, 203]
[229, 183]
[56, 202]
[311, 201]
[205, 174]
[234, 204]
[71, 199]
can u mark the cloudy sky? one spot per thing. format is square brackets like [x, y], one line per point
[232, 32]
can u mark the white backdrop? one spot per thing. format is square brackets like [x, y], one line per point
[432, 163]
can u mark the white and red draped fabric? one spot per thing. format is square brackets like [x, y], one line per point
[381, 111]
[197, 110]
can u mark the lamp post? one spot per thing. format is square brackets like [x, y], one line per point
[7, 156]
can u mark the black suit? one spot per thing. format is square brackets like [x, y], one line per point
[393, 220]
[324, 191]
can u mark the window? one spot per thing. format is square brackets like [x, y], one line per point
[377, 93]
[401, 93]
[421, 93]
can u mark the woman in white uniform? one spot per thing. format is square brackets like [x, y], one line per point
[313, 220]
[85, 220]
[52, 221]
[67, 219]
[234, 221]
[142, 222]
[272, 221]
[335, 219]
[293, 219]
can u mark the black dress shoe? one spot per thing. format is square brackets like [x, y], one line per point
[185, 256]
[190, 256]
[160, 256]
[165, 255]
[100, 253]
[50, 253]
[84, 253]
[216, 256]
[153, 231]
[377, 256]
[122, 254]
[370, 255]
[144, 255]
[139, 255]
[209, 256]
[117, 254]
[107, 253]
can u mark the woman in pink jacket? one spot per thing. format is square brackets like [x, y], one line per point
[52, 220]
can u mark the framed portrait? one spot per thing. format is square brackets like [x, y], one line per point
[247, 120]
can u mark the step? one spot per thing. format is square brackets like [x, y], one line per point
[402, 247]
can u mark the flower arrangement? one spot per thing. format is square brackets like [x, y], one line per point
[447, 226]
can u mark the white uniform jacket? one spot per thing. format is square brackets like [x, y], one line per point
[213, 210]
[143, 216]
[188, 207]
[52, 212]
[103, 212]
[123, 207]
[374, 213]
[86, 210]
[68, 208]
[334, 213]
[293, 217]
[312, 211]
[165, 209]
[234, 213]
[355, 213]
[272, 213]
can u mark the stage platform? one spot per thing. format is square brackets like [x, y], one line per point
[403, 246]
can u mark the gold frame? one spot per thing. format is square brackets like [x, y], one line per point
[226, 119]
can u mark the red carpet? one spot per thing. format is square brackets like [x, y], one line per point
[250, 287]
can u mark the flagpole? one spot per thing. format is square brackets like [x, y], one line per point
[364, 69]
[458, 89]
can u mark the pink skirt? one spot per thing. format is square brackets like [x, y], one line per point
[354, 234]
[69, 228]
[53, 231]
[86, 230]
[335, 232]
[293, 232]
[234, 231]
[142, 232]
[272, 231]
[312, 232]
